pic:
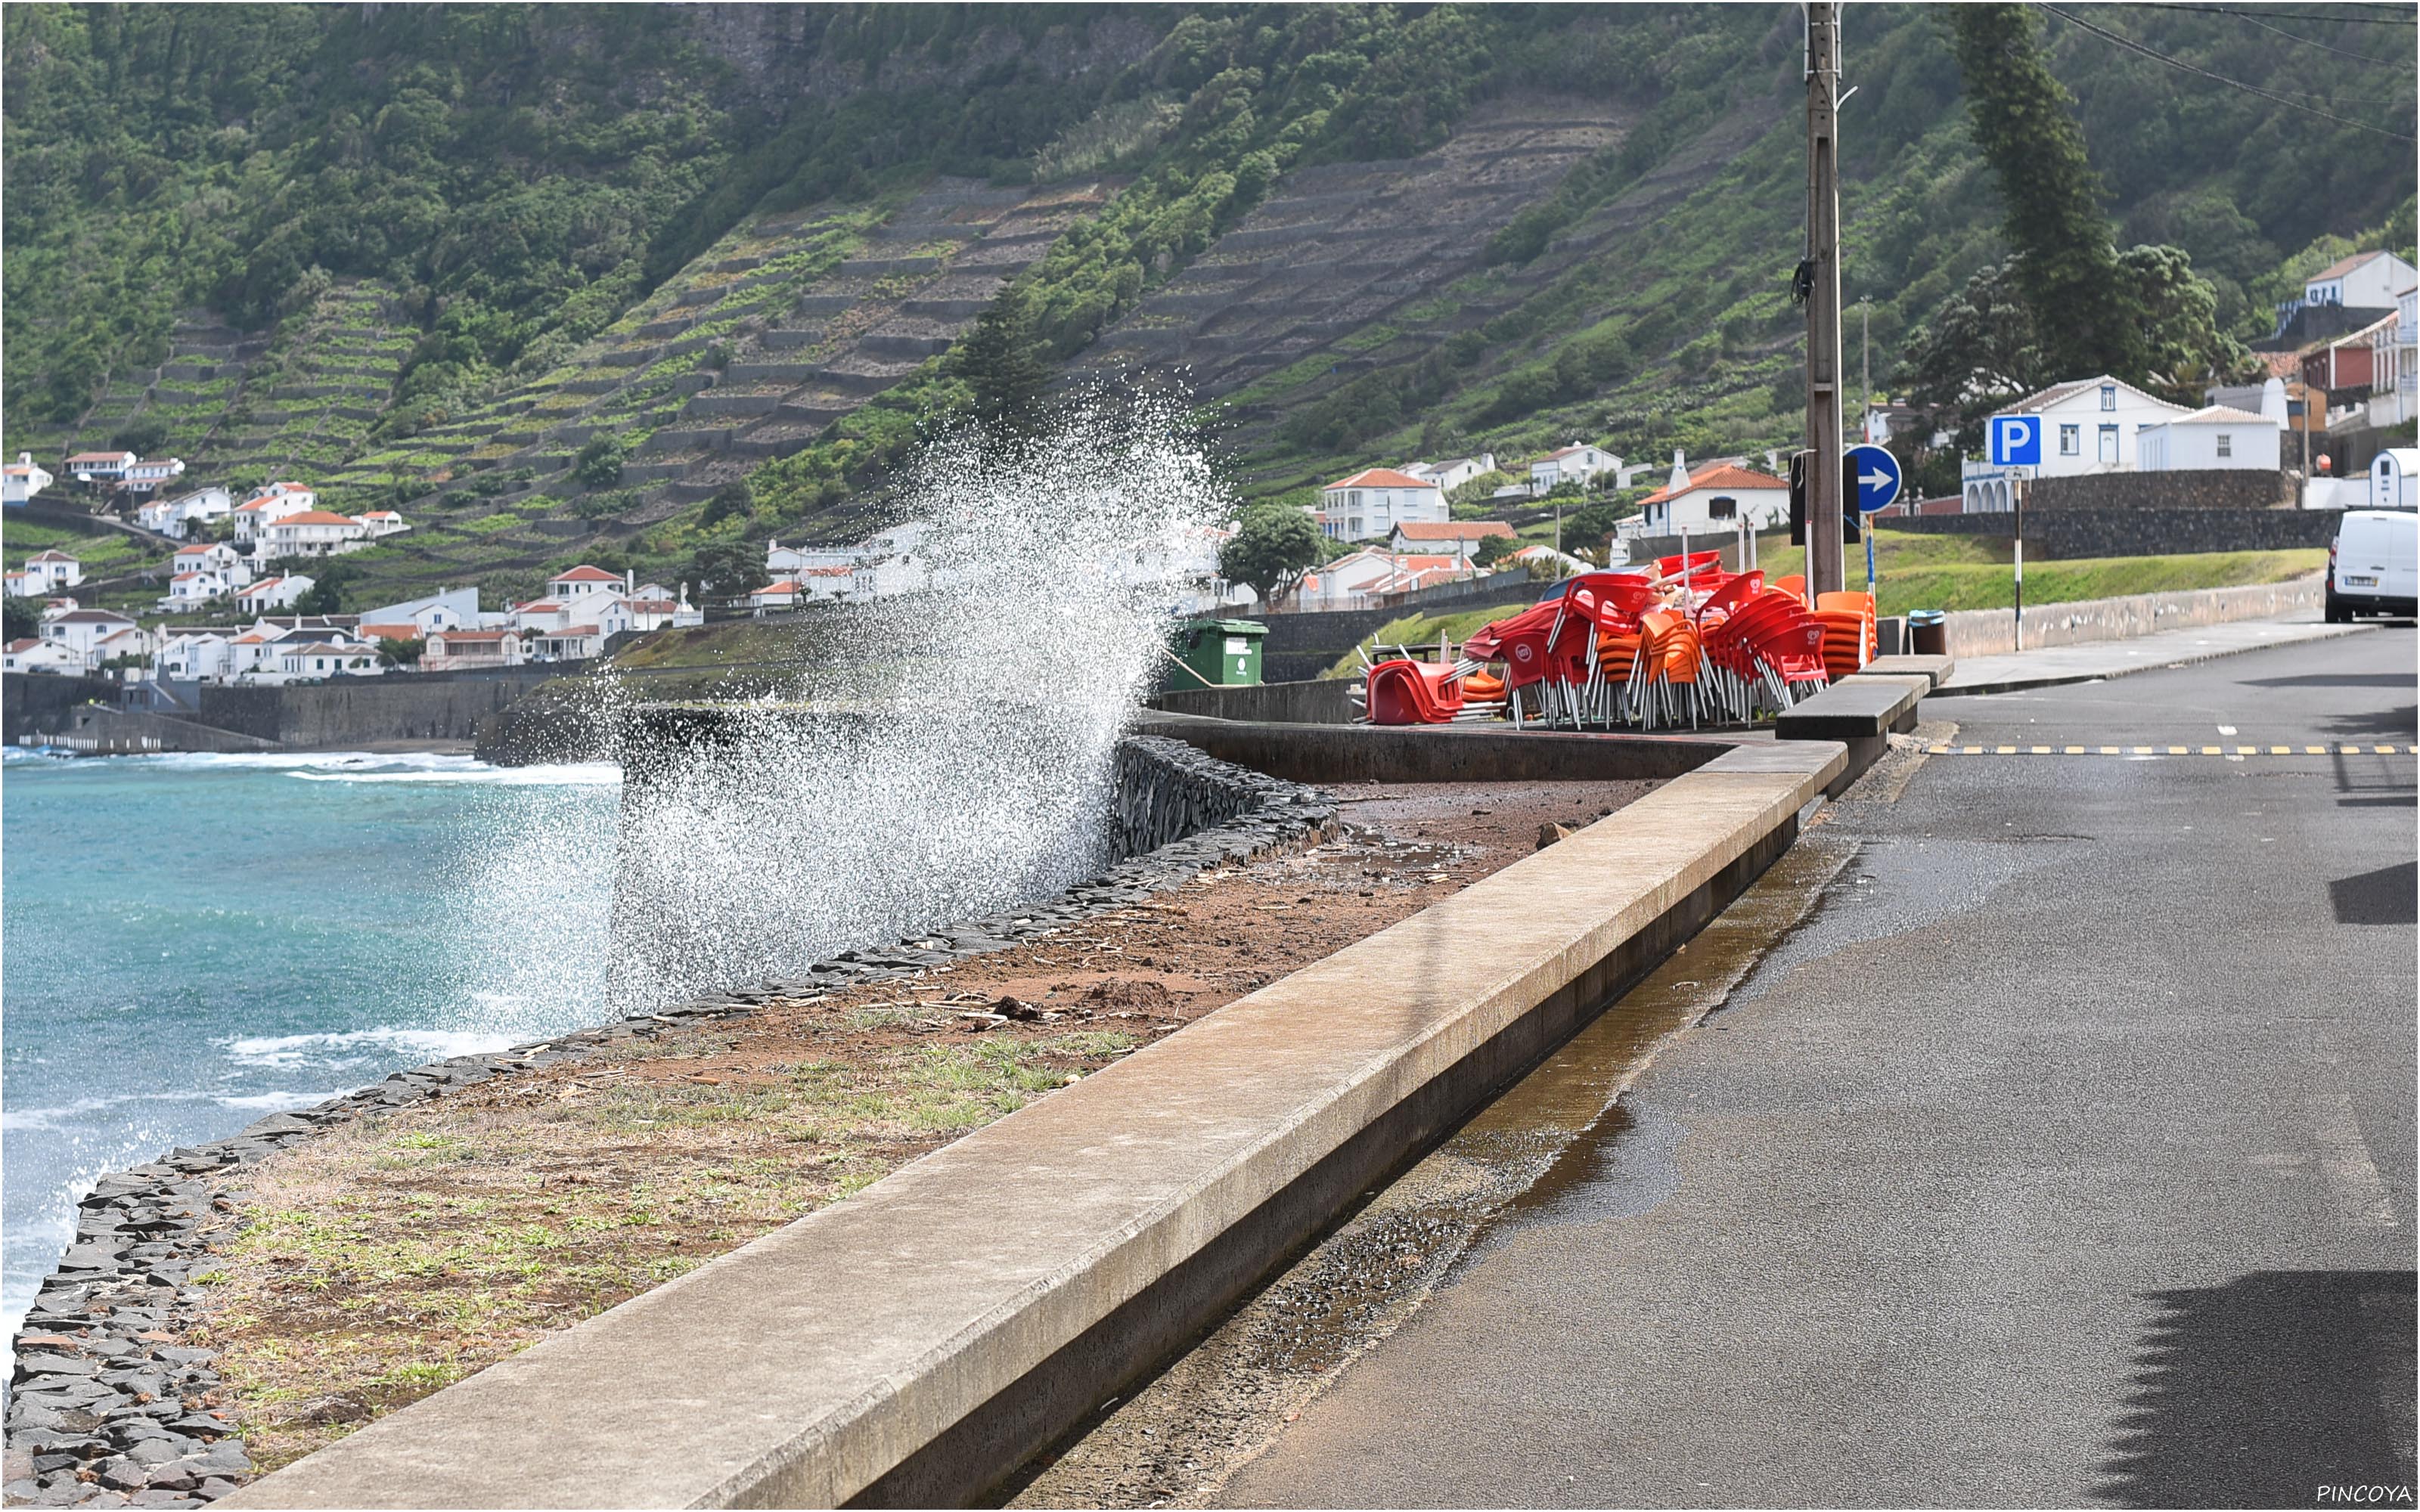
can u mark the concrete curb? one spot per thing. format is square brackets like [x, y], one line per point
[915, 1343]
[2020, 684]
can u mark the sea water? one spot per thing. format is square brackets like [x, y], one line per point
[190, 942]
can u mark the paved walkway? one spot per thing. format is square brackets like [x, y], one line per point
[2115, 658]
[2064, 1157]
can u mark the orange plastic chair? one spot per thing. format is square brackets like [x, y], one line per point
[1795, 586]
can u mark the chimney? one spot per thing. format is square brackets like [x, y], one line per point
[1679, 482]
[630, 579]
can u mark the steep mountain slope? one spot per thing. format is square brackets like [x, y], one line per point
[736, 247]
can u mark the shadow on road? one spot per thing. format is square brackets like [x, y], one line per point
[2334, 680]
[2258, 1391]
[2390, 895]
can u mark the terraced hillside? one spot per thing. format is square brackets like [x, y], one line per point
[1329, 275]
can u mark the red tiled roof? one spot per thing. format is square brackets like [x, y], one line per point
[785, 586]
[20, 645]
[585, 573]
[1383, 478]
[52, 556]
[1719, 475]
[101, 456]
[317, 516]
[2342, 267]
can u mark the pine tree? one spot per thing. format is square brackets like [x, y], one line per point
[1000, 359]
[2067, 266]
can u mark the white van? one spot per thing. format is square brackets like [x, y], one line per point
[2374, 565]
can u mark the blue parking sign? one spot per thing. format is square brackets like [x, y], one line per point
[2015, 441]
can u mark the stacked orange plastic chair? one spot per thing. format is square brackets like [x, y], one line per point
[1848, 621]
[1412, 692]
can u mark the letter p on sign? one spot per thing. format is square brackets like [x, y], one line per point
[2015, 441]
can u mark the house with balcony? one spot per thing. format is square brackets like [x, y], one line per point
[143, 477]
[99, 466]
[313, 533]
[1369, 506]
[45, 573]
[279, 500]
[2089, 425]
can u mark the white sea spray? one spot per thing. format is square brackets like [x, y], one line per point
[954, 757]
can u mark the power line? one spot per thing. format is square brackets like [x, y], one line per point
[2292, 37]
[2291, 15]
[2302, 105]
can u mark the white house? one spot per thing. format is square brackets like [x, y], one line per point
[448, 608]
[1370, 503]
[95, 634]
[47, 572]
[783, 595]
[195, 652]
[218, 557]
[1575, 463]
[1454, 472]
[100, 467]
[1715, 496]
[271, 595]
[380, 522]
[22, 479]
[145, 477]
[175, 517]
[789, 561]
[581, 580]
[2215, 437]
[2089, 425]
[311, 533]
[33, 655]
[273, 502]
[1355, 579]
[2366, 280]
[191, 590]
[1457, 538]
[463, 650]
[306, 657]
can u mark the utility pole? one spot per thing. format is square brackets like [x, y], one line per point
[1824, 529]
[1865, 369]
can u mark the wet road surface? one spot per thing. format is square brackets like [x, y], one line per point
[2064, 1156]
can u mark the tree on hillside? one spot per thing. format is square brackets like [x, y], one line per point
[2024, 124]
[2176, 311]
[1978, 351]
[1001, 360]
[727, 568]
[18, 619]
[1273, 546]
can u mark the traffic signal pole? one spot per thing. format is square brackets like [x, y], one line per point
[1824, 528]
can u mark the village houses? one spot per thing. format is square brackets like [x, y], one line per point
[1461, 538]
[270, 594]
[311, 533]
[34, 655]
[96, 636]
[1454, 472]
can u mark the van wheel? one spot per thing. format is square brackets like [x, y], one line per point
[2335, 613]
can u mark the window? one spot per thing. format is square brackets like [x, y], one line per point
[2109, 396]
[2071, 441]
[2226, 444]
[2109, 443]
[1722, 506]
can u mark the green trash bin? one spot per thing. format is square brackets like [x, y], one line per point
[1219, 652]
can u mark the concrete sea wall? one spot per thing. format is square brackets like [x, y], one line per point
[102, 1373]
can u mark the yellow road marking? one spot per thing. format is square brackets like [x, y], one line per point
[2247, 750]
[2179, 750]
[2213, 750]
[2315, 750]
[2109, 750]
[2042, 750]
[2007, 750]
[2075, 750]
[2281, 750]
[2143, 751]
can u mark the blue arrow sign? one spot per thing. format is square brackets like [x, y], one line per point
[1875, 472]
[2015, 441]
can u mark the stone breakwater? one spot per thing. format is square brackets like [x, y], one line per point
[109, 1409]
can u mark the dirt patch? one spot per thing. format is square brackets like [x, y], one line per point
[382, 1260]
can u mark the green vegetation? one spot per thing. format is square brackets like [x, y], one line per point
[408, 253]
[1273, 546]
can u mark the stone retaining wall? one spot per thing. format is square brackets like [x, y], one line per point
[1987, 632]
[102, 1384]
[2072, 534]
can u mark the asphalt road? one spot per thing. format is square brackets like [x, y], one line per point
[2065, 1156]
